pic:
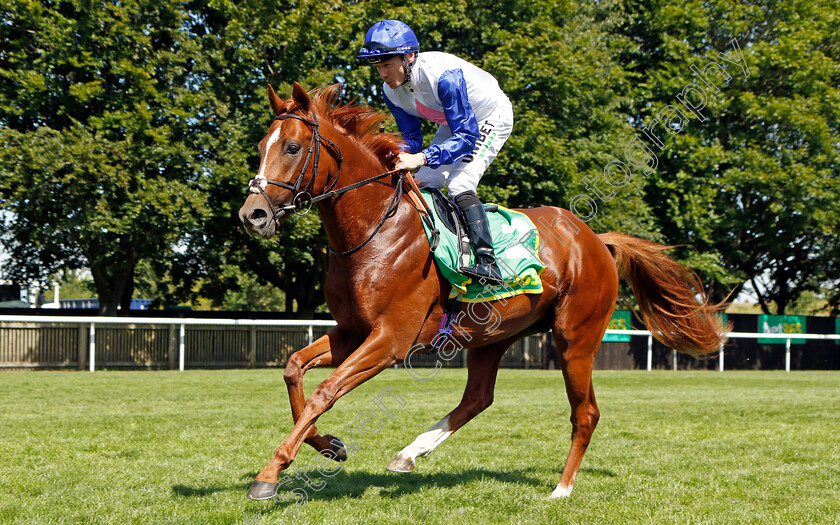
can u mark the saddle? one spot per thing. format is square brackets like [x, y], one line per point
[453, 220]
[448, 213]
[515, 238]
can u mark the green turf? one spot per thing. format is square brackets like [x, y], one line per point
[169, 447]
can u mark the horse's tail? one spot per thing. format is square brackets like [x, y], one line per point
[671, 297]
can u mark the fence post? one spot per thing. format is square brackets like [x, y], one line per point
[252, 347]
[787, 354]
[720, 358]
[650, 353]
[92, 345]
[171, 347]
[674, 357]
[525, 352]
[309, 334]
[181, 356]
[81, 348]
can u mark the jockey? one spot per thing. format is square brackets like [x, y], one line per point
[475, 119]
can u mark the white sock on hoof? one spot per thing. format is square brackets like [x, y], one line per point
[426, 442]
[561, 492]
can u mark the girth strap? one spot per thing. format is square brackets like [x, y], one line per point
[450, 313]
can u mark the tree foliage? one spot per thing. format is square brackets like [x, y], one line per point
[753, 187]
[129, 132]
[96, 150]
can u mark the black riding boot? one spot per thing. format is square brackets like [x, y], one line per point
[478, 229]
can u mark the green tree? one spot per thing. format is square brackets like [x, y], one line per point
[129, 132]
[558, 61]
[244, 47]
[97, 147]
[754, 186]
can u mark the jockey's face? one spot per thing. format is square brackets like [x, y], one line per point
[392, 71]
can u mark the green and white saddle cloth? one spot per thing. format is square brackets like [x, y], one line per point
[516, 242]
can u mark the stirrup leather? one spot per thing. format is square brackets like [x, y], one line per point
[478, 228]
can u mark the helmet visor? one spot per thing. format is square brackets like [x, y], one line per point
[374, 52]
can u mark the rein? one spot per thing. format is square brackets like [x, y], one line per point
[303, 200]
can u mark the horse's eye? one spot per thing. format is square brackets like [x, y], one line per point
[293, 148]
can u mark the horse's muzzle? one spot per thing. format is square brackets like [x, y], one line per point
[257, 219]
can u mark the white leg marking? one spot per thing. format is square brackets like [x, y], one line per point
[561, 492]
[426, 442]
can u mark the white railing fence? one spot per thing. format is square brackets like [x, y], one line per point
[91, 323]
[731, 335]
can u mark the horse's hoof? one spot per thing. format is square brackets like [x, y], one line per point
[401, 463]
[339, 450]
[261, 490]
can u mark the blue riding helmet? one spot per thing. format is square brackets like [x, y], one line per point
[387, 38]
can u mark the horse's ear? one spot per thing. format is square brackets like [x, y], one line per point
[276, 102]
[301, 97]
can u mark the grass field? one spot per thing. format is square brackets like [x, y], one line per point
[169, 447]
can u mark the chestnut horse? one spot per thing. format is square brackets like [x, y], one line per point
[387, 295]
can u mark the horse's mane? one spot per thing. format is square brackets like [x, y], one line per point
[359, 122]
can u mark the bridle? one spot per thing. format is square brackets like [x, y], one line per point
[303, 199]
